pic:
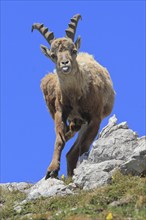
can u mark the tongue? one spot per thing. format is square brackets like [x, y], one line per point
[65, 68]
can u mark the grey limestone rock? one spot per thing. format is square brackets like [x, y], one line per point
[117, 146]
[48, 188]
[115, 142]
[136, 164]
[89, 176]
[21, 186]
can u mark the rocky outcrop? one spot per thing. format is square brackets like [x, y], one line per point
[45, 188]
[136, 163]
[49, 188]
[21, 186]
[116, 147]
[91, 175]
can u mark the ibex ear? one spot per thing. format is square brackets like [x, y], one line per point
[47, 53]
[45, 50]
[78, 43]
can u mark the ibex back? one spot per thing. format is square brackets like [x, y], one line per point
[79, 95]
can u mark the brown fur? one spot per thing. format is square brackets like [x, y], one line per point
[82, 97]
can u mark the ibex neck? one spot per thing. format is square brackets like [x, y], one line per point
[70, 81]
[73, 84]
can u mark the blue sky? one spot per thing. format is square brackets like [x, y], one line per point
[113, 31]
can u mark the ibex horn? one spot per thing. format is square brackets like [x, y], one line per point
[49, 36]
[70, 32]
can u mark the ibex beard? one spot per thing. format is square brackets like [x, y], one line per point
[79, 95]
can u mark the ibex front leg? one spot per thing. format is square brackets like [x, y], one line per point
[60, 127]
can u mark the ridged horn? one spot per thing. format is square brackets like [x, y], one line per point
[72, 26]
[49, 36]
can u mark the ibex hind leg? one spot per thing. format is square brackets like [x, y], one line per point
[85, 138]
[72, 158]
[73, 155]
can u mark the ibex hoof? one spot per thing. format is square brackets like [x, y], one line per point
[51, 174]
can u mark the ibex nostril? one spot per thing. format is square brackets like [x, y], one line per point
[65, 62]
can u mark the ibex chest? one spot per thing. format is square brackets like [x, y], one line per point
[74, 95]
[76, 107]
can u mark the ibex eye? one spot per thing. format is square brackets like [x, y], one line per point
[74, 51]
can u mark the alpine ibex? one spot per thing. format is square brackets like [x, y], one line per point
[79, 95]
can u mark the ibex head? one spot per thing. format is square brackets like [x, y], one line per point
[63, 51]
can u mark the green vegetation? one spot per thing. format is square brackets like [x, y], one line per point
[124, 199]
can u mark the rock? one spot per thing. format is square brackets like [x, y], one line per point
[83, 157]
[45, 188]
[117, 146]
[18, 209]
[117, 143]
[48, 188]
[89, 176]
[120, 202]
[72, 186]
[111, 123]
[21, 186]
[136, 164]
